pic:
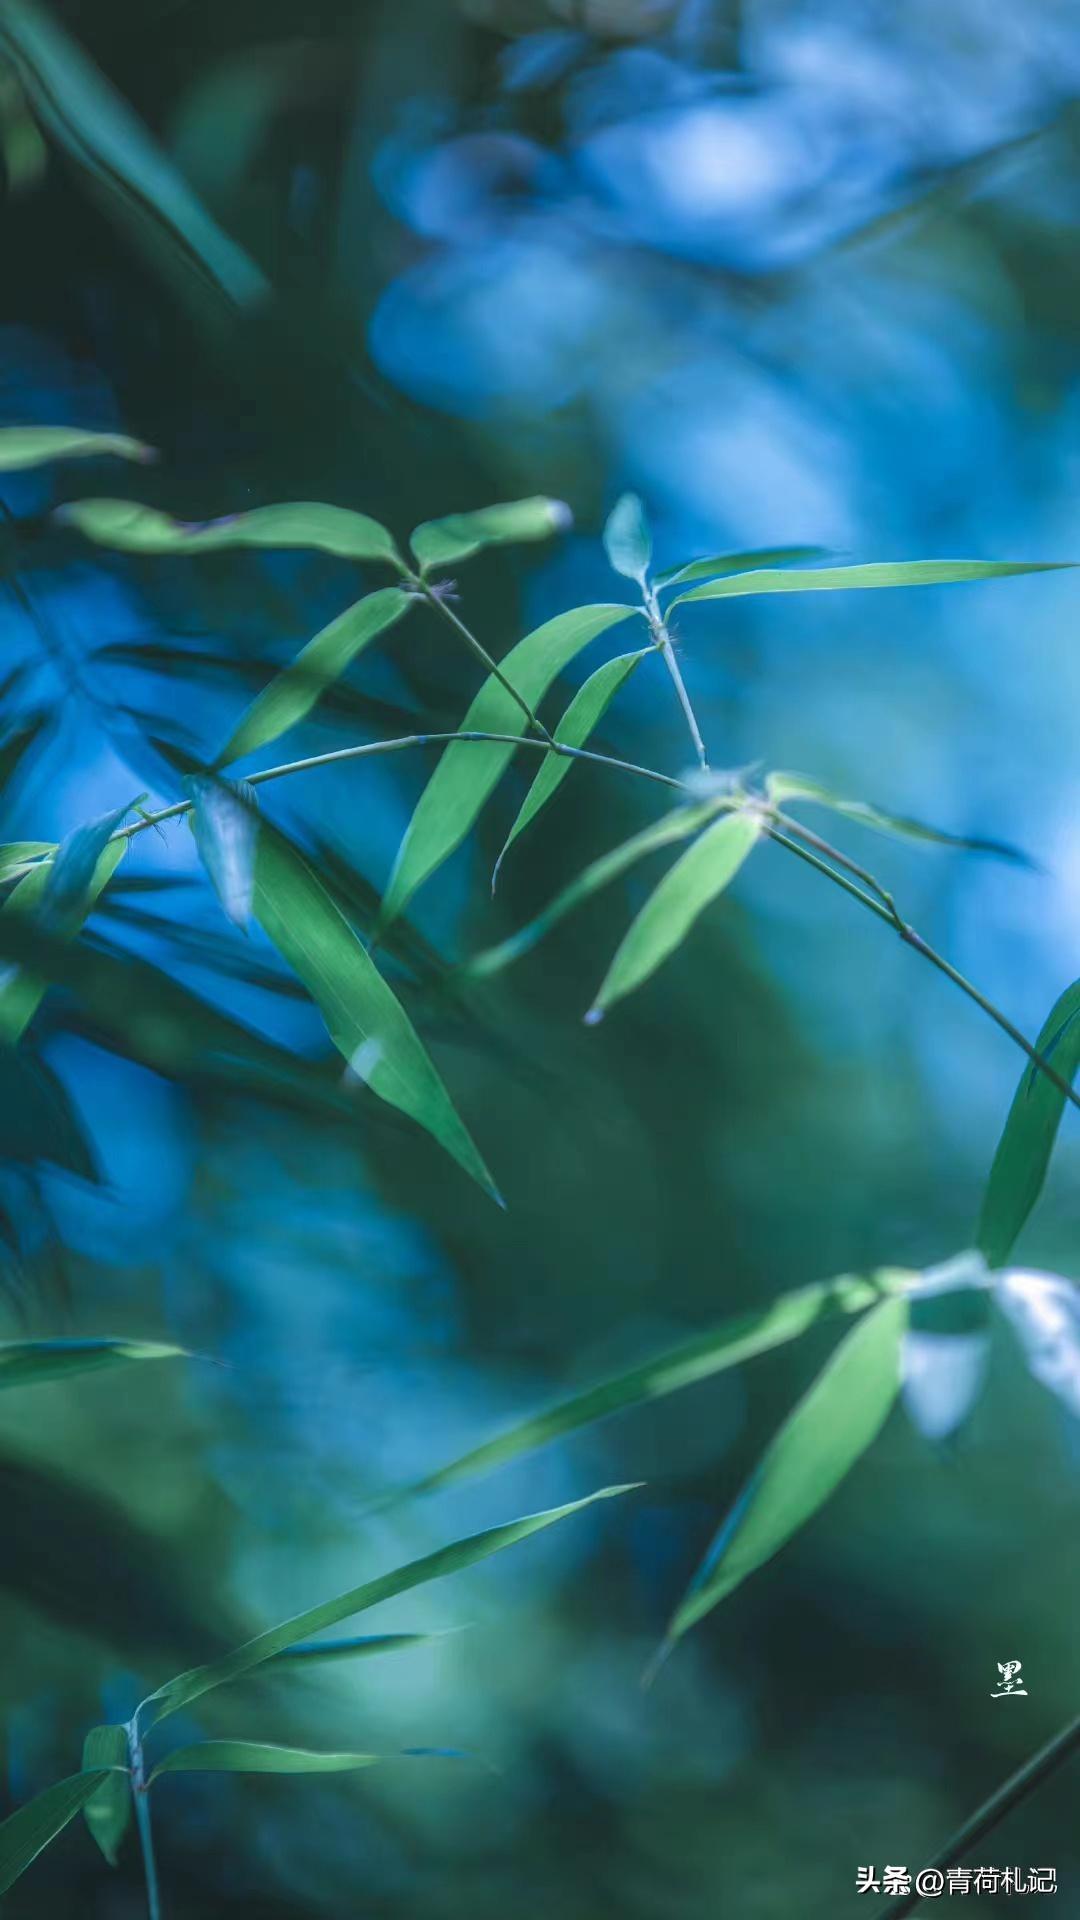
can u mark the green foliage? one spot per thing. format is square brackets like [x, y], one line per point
[887, 573]
[256, 1756]
[36, 446]
[30, 1828]
[782, 788]
[108, 1811]
[441, 543]
[23, 1363]
[57, 894]
[306, 523]
[1023, 1152]
[627, 540]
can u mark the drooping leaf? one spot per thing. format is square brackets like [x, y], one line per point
[627, 540]
[226, 828]
[440, 543]
[1027, 1141]
[132, 528]
[697, 877]
[364, 1017]
[675, 826]
[783, 787]
[1044, 1312]
[38, 1120]
[586, 710]
[946, 1345]
[256, 1756]
[292, 694]
[468, 773]
[23, 1363]
[35, 446]
[25, 1833]
[108, 1811]
[58, 893]
[190, 1686]
[881, 573]
[751, 560]
[699, 1358]
[829, 1430]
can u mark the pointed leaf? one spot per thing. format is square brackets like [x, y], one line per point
[26, 1832]
[34, 446]
[23, 1363]
[364, 1018]
[291, 695]
[357, 1646]
[884, 573]
[675, 826]
[754, 558]
[108, 1811]
[18, 856]
[586, 710]
[439, 543]
[1027, 1142]
[687, 888]
[58, 893]
[699, 1358]
[432, 1566]
[132, 528]
[780, 788]
[467, 773]
[627, 540]
[255, 1756]
[1044, 1311]
[226, 827]
[819, 1443]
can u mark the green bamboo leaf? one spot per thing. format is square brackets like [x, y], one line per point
[108, 1811]
[58, 893]
[292, 694]
[781, 788]
[627, 540]
[364, 1018]
[226, 826]
[255, 1756]
[699, 1358]
[1027, 1141]
[753, 558]
[687, 888]
[25, 1833]
[467, 773]
[358, 1646]
[884, 573]
[675, 826]
[190, 1686]
[132, 528]
[18, 856]
[586, 710]
[832, 1426]
[36, 446]
[23, 1363]
[439, 543]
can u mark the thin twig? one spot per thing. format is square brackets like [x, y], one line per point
[665, 645]
[437, 600]
[993, 1811]
[141, 1796]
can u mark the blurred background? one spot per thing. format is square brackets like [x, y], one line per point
[795, 274]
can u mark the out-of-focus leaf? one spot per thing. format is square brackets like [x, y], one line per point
[357, 1646]
[1027, 1141]
[440, 543]
[18, 855]
[675, 826]
[58, 893]
[37, 1118]
[699, 1358]
[226, 828]
[819, 1443]
[35, 446]
[132, 528]
[187, 1687]
[627, 540]
[364, 1017]
[22, 149]
[880, 573]
[467, 773]
[291, 695]
[25, 1362]
[255, 1756]
[25, 1833]
[1044, 1312]
[718, 563]
[586, 710]
[108, 1811]
[782, 787]
[946, 1344]
[697, 877]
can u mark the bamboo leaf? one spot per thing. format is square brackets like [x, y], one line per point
[884, 573]
[36, 446]
[467, 773]
[292, 694]
[23, 1363]
[687, 888]
[754, 558]
[364, 1018]
[440, 543]
[108, 1811]
[58, 894]
[627, 540]
[699, 1358]
[586, 710]
[256, 1756]
[1027, 1141]
[25, 1833]
[18, 856]
[132, 528]
[819, 1443]
[780, 788]
[190, 1686]
[226, 827]
[357, 1646]
[675, 826]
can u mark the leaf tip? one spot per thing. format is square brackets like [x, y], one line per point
[593, 1017]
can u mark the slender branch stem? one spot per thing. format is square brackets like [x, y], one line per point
[141, 1796]
[436, 600]
[660, 634]
[993, 1811]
